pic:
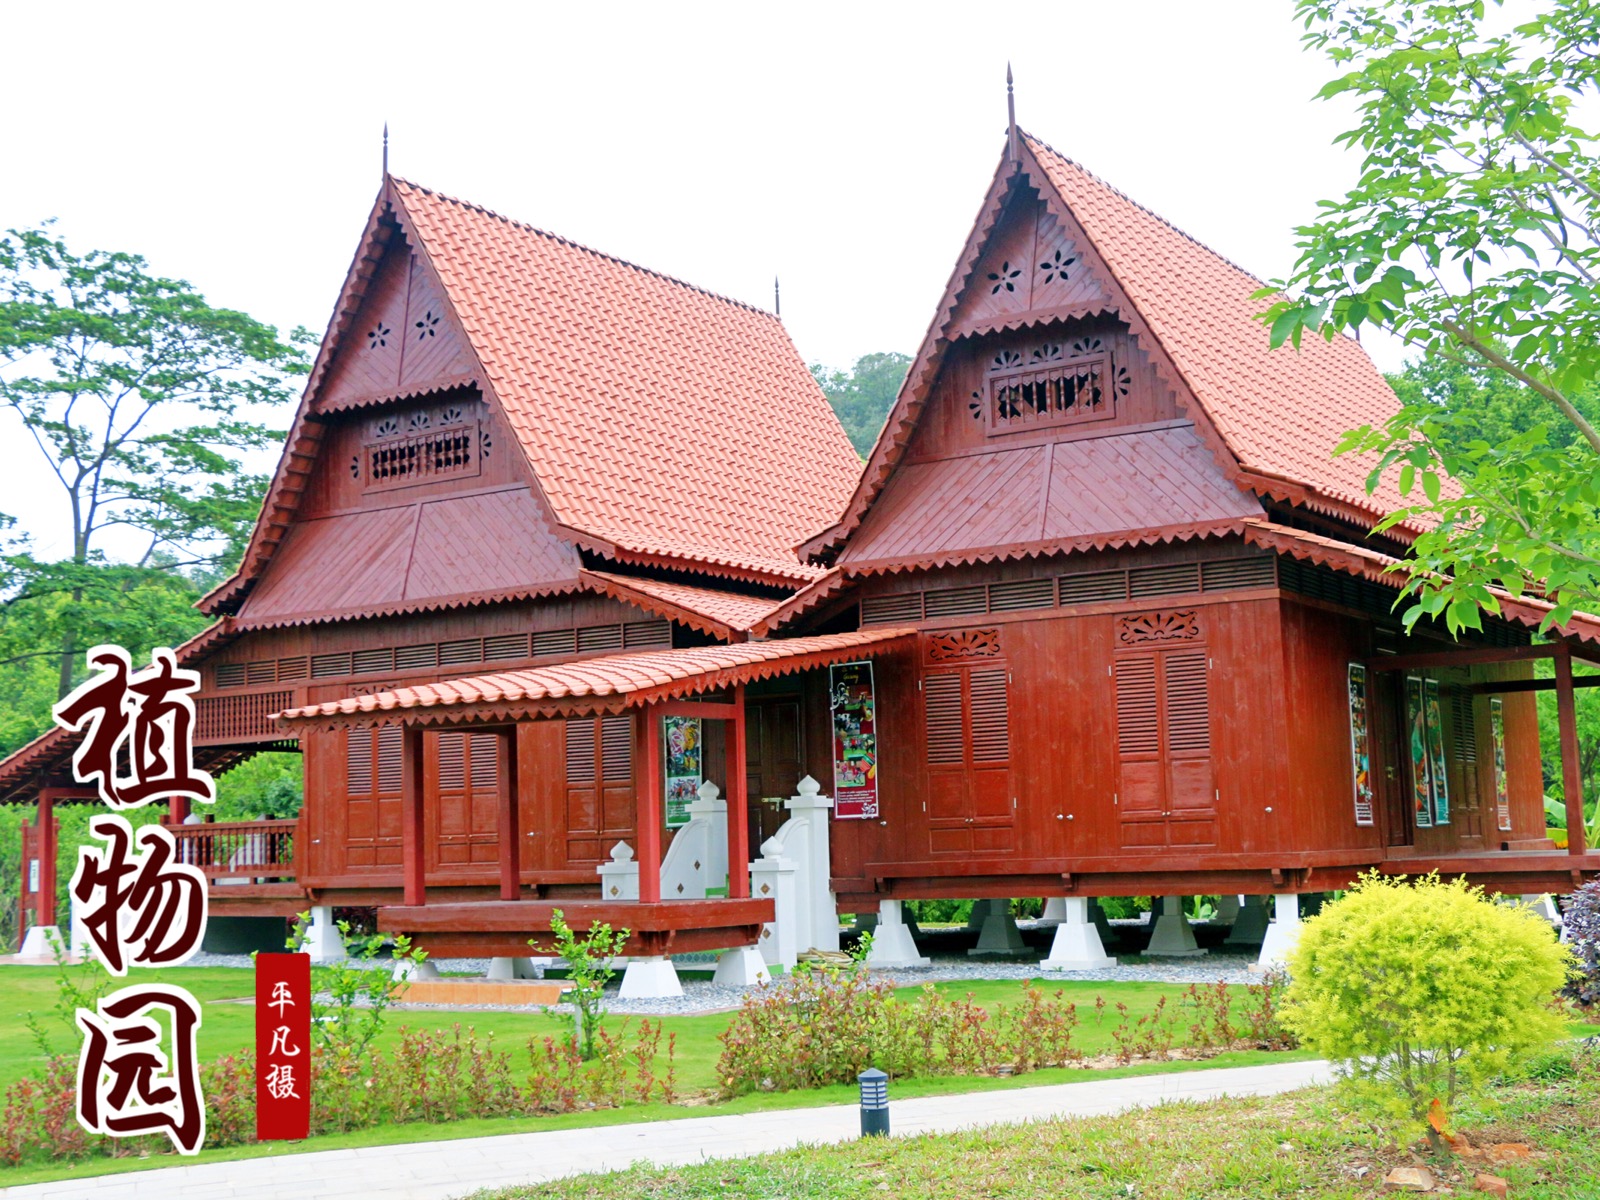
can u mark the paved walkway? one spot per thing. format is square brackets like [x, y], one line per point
[445, 1170]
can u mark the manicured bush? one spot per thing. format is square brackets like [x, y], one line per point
[1423, 991]
[1582, 919]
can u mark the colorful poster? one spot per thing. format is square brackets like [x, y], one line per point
[1360, 750]
[855, 741]
[1438, 777]
[1502, 792]
[683, 774]
[1417, 744]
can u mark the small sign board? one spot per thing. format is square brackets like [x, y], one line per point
[283, 1046]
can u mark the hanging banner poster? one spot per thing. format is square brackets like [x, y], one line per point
[1502, 791]
[1417, 742]
[1438, 778]
[283, 1046]
[1360, 753]
[683, 745]
[855, 741]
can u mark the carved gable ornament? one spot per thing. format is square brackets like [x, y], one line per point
[1182, 625]
[1030, 270]
[962, 644]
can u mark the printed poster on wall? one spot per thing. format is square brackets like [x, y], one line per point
[1360, 752]
[1438, 777]
[1502, 791]
[855, 741]
[683, 746]
[1417, 743]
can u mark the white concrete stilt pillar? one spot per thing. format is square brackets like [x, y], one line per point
[1283, 934]
[1227, 911]
[979, 914]
[741, 967]
[1101, 925]
[1250, 926]
[999, 934]
[1173, 937]
[410, 971]
[892, 943]
[1077, 945]
[39, 943]
[1055, 911]
[324, 943]
[508, 969]
[652, 977]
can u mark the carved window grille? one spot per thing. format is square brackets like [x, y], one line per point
[239, 718]
[1051, 385]
[422, 457]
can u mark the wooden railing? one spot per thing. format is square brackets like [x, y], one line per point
[238, 849]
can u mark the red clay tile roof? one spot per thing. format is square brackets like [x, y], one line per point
[660, 419]
[608, 684]
[721, 614]
[1371, 564]
[1272, 417]
[1121, 489]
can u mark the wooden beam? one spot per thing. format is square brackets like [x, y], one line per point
[1571, 764]
[510, 826]
[647, 806]
[1530, 685]
[1461, 658]
[738, 803]
[413, 848]
[704, 709]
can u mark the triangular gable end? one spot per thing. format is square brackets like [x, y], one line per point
[1026, 237]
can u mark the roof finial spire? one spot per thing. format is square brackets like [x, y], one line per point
[777, 300]
[1011, 120]
[386, 149]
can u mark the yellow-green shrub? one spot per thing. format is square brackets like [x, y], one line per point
[1424, 990]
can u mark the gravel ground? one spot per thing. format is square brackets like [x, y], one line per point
[703, 996]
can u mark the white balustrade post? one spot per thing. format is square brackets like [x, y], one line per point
[711, 806]
[619, 878]
[820, 925]
[772, 877]
[1077, 945]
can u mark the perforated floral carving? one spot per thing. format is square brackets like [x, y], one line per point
[1005, 278]
[1120, 380]
[1045, 352]
[964, 643]
[1087, 346]
[428, 325]
[976, 405]
[355, 466]
[1006, 360]
[378, 336]
[451, 415]
[1182, 625]
[1056, 266]
[388, 427]
[419, 420]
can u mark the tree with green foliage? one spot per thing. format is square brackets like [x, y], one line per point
[862, 396]
[588, 957]
[1472, 234]
[1423, 990]
[137, 395]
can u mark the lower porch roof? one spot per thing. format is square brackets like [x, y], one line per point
[591, 686]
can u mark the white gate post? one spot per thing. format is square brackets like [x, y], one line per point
[821, 920]
[772, 877]
[619, 878]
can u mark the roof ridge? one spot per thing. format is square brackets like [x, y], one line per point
[566, 241]
[1144, 208]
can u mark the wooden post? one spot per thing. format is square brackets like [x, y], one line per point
[738, 804]
[414, 852]
[647, 805]
[46, 841]
[1571, 764]
[25, 900]
[177, 810]
[510, 826]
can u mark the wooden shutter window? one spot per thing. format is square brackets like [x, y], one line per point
[580, 751]
[390, 741]
[452, 762]
[616, 749]
[941, 701]
[1138, 722]
[358, 762]
[485, 771]
[1188, 702]
[991, 732]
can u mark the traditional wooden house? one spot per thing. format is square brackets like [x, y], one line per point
[1101, 616]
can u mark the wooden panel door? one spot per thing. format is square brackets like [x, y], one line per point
[599, 787]
[775, 762]
[1389, 761]
[463, 801]
[372, 788]
[967, 745]
[1166, 793]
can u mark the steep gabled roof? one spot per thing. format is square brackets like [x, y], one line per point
[1271, 417]
[661, 424]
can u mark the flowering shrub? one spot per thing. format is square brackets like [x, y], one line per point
[1582, 918]
[428, 1076]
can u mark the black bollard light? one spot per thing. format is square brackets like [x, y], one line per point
[874, 1102]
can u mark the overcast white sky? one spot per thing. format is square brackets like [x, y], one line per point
[842, 147]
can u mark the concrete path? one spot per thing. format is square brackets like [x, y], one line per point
[447, 1169]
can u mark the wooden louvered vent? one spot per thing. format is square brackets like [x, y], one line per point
[580, 752]
[1138, 718]
[1188, 703]
[241, 718]
[616, 749]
